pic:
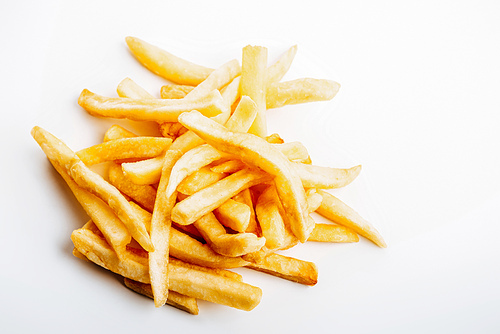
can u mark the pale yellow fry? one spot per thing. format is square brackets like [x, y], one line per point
[338, 212]
[289, 268]
[278, 70]
[57, 151]
[253, 84]
[144, 195]
[186, 280]
[313, 200]
[198, 180]
[220, 241]
[270, 218]
[231, 92]
[112, 228]
[128, 88]
[124, 148]
[158, 110]
[204, 201]
[325, 177]
[243, 116]
[332, 233]
[117, 132]
[149, 171]
[166, 64]
[294, 151]
[175, 299]
[302, 90]
[255, 151]
[234, 215]
[175, 91]
[216, 80]
[229, 166]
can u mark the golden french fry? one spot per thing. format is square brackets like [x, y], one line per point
[124, 148]
[198, 180]
[325, 177]
[206, 200]
[172, 129]
[57, 151]
[254, 150]
[304, 90]
[313, 200]
[245, 197]
[332, 233]
[144, 195]
[117, 132]
[231, 92]
[253, 84]
[218, 271]
[174, 299]
[166, 64]
[289, 268]
[128, 88]
[234, 215]
[175, 91]
[159, 110]
[338, 212]
[229, 166]
[270, 218]
[276, 71]
[216, 80]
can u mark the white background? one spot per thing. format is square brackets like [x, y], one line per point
[418, 108]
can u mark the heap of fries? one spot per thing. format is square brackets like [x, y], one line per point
[215, 192]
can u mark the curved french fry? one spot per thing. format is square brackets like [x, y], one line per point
[276, 71]
[297, 91]
[325, 177]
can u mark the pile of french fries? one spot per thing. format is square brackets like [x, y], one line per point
[173, 214]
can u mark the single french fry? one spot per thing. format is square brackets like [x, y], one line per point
[325, 177]
[298, 91]
[216, 80]
[313, 199]
[294, 151]
[144, 195]
[167, 65]
[278, 70]
[234, 215]
[332, 233]
[124, 148]
[229, 166]
[117, 132]
[175, 91]
[255, 151]
[158, 110]
[128, 88]
[206, 200]
[174, 299]
[218, 271]
[231, 92]
[288, 268]
[57, 151]
[198, 180]
[253, 84]
[245, 197]
[270, 218]
[338, 212]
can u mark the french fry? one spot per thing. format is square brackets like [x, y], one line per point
[198, 180]
[206, 200]
[270, 218]
[128, 88]
[289, 268]
[294, 151]
[234, 215]
[159, 110]
[229, 166]
[245, 197]
[174, 299]
[167, 65]
[332, 233]
[254, 150]
[338, 212]
[172, 129]
[117, 132]
[231, 92]
[253, 84]
[124, 148]
[218, 271]
[278, 70]
[175, 91]
[58, 152]
[325, 177]
[297, 91]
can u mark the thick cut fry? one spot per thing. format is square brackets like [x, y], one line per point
[144, 195]
[270, 218]
[289, 268]
[234, 215]
[253, 84]
[198, 180]
[124, 148]
[57, 151]
[128, 88]
[167, 65]
[117, 132]
[158, 110]
[111, 227]
[188, 281]
[174, 299]
[175, 91]
[325, 177]
[255, 151]
[338, 212]
[216, 80]
[245, 197]
[278, 70]
[232, 245]
[298, 91]
[206, 200]
[332, 233]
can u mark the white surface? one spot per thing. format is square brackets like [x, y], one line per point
[418, 108]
